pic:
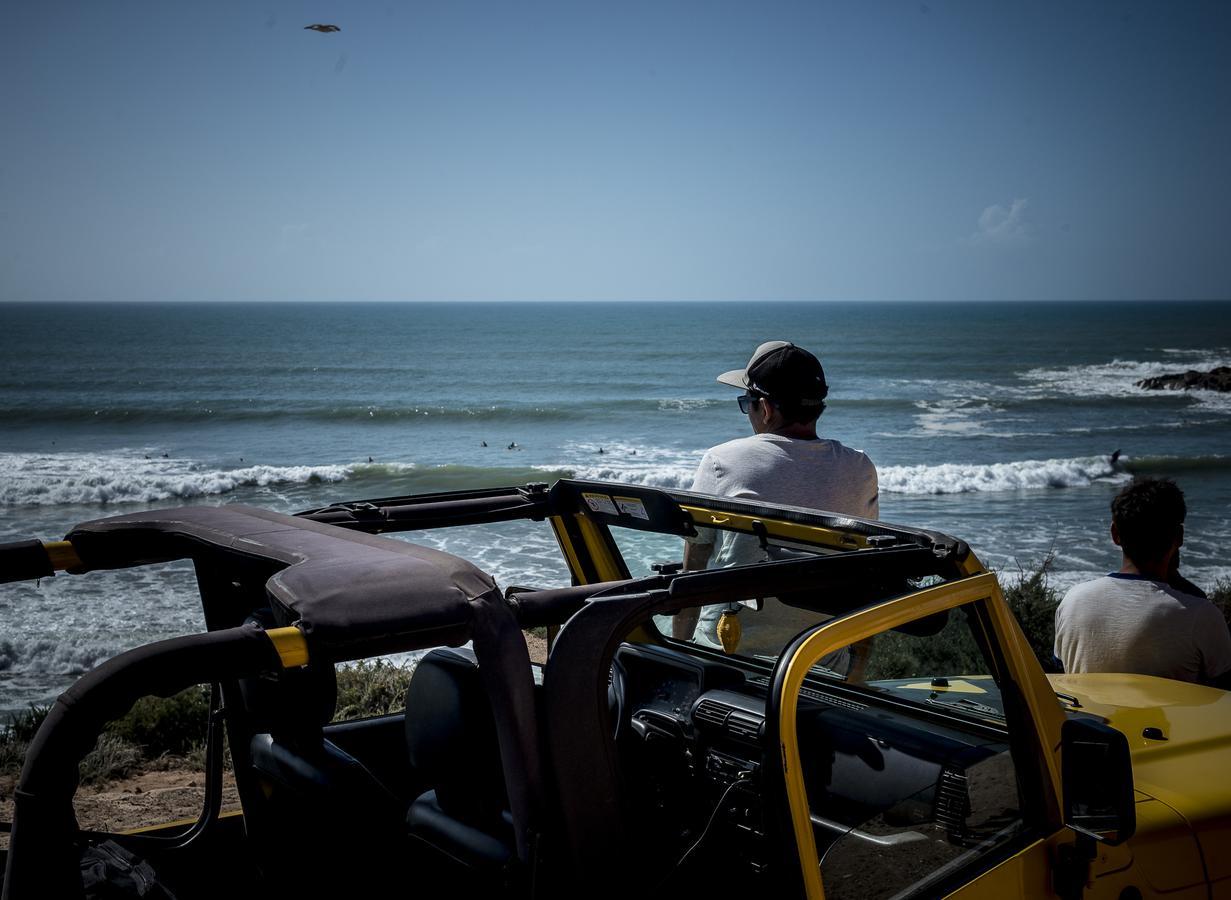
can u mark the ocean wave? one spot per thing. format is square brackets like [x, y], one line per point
[46, 480]
[1030, 474]
[1163, 465]
[68, 656]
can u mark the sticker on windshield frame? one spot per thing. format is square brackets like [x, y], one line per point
[601, 503]
[631, 506]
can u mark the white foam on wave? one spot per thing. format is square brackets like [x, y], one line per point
[1119, 378]
[634, 464]
[1029, 474]
[688, 404]
[29, 479]
[968, 417]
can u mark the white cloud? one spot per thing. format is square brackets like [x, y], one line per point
[1003, 227]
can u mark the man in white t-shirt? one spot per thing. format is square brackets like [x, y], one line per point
[1145, 619]
[783, 461]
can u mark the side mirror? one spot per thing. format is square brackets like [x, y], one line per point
[1098, 781]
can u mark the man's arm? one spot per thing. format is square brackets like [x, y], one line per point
[696, 556]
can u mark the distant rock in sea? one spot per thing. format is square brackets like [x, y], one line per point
[1215, 380]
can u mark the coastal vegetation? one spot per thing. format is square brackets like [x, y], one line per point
[169, 732]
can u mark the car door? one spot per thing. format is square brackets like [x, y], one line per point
[934, 781]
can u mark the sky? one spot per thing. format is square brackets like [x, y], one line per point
[664, 150]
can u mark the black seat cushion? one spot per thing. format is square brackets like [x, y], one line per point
[472, 847]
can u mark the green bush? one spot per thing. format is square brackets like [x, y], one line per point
[1033, 601]
[371, 687]
[112, 757]
[1221, 597]
[161, 725]
[16, 737]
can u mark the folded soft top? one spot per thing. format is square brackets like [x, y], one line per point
[352, 594]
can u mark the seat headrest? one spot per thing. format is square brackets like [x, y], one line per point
[451, 734]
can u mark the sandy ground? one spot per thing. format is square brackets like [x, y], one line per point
[146, 798]
[152, 798]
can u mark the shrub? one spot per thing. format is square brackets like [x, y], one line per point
[16, 737]
[1221, 597]
[112, 757]
[371, 687]
[1033, 601]
[161, 725]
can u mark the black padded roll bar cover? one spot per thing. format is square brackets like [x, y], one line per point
[42, 859]
[352, 594]
[24, 561]
[554, 606]
[505, 670]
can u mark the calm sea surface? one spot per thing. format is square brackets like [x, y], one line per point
[991, 422]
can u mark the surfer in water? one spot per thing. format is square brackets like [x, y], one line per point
[1115, 459]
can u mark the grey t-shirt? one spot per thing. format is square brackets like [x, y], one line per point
[815, 474]
[1129, 623]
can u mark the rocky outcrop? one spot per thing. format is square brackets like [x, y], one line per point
[1215, 380]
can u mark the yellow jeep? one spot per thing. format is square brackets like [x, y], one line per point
[857, 716]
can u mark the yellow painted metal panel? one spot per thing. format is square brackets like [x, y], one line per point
[1185, 769]
[604, 563]
[566, 546]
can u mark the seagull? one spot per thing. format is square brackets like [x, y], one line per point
[323, 29]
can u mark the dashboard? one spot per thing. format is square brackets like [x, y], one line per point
[882, 775]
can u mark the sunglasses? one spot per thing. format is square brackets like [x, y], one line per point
[747, 401]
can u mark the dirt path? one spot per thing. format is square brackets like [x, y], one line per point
[145, 798]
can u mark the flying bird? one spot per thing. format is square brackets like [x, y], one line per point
[323, 29]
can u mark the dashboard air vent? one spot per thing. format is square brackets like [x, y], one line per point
[710, 712]
[744, 726]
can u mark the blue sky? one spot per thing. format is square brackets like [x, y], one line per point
[615, 151]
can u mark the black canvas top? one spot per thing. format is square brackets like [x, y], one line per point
[352, 594]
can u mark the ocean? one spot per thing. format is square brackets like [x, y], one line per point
[990, 422]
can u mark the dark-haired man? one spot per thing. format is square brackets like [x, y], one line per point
[783, 461]
[1145, 619]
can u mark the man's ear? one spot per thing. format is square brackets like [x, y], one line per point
[1179, 536]
[1115, 534]
[766, 411]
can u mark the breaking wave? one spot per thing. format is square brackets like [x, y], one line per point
[1035, 474]
[1030, 474]
[48, 480]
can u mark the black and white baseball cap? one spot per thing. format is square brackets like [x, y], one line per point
[783, 372]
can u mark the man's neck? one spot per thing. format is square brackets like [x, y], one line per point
[797, 431]
[1157, 572]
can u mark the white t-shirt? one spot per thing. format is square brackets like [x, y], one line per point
[1130, 623]
[815, 474]
[772, 468]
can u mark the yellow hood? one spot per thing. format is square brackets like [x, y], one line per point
[1190, 768]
